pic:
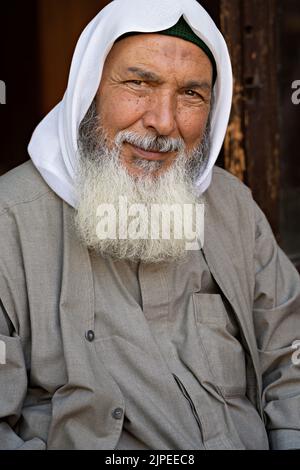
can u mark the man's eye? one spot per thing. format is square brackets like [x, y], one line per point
[192, 93]
[135, 82]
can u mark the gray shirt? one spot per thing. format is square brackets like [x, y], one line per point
[192, 363]
[158, 328]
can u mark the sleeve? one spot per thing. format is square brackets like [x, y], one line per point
[13, 388]
[277, 326]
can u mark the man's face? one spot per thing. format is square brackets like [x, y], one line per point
[154, 85]
[145, 138]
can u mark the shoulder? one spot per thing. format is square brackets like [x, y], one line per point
[227, 189]
[224, 181]
[22, 185]
[226, 185]
[230, 204]
[27, 203]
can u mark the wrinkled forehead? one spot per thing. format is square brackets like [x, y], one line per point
[180, 30]
[152, 57]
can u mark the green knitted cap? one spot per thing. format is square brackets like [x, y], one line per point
[182, 30]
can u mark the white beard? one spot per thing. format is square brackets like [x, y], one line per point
[103, 179]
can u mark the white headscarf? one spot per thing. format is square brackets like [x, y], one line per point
[53, 147]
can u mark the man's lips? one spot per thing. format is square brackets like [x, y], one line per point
[154, 156]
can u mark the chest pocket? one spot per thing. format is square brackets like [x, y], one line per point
[222, 350]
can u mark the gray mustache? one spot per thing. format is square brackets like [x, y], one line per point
[150, 143]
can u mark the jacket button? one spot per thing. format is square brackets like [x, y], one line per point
[90, 336]
[117, 413]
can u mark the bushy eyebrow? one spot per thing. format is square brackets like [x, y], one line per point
[152, 77]
[145, 74]
[195, 84]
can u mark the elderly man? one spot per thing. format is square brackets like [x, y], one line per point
[140, 342]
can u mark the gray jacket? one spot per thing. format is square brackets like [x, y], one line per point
[51, 394]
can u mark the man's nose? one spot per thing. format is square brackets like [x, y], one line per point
[160, 114]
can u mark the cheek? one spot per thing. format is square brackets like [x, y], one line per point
[192, 124]
[119, 112]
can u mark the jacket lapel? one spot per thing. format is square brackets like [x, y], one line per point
[219, 261]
